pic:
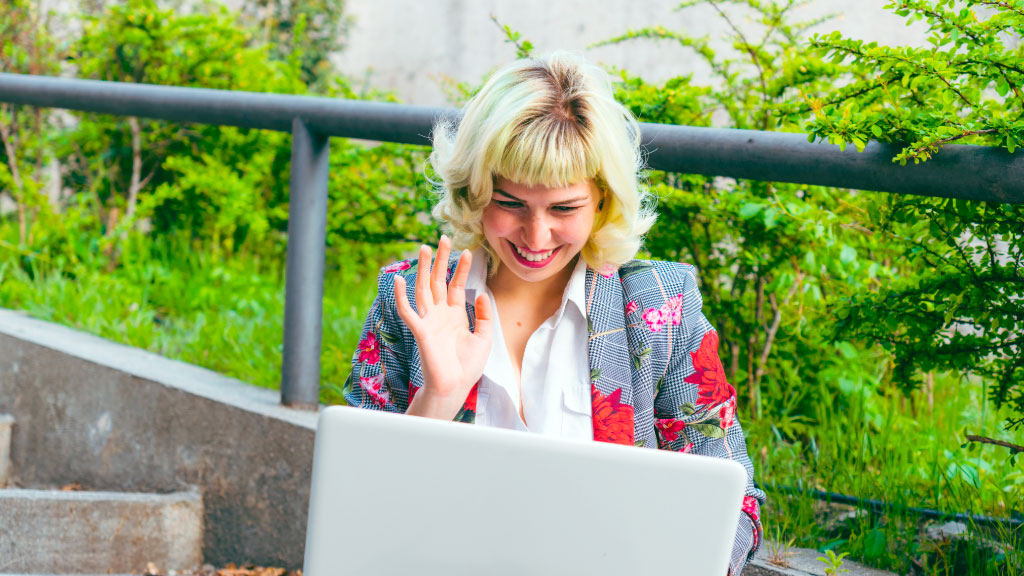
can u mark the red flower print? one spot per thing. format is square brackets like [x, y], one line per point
[397, 267]
[727, 414]
[374, 386]
[687, 449]
[708, 375]
[752, 508]
[631, 307]
[412, 391]
[654, 319]
[470, 403]
[608, 270]
[669, 428]
[613, 420]
[368, 350]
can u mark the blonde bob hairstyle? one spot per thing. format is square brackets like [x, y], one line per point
[550, 121]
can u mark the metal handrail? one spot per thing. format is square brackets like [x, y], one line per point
[957, 171]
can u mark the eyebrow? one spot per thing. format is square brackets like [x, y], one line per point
[569, 201]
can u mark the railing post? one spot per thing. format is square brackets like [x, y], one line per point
[304, 272]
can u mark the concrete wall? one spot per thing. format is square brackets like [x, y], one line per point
[110, 417]
[411, 46]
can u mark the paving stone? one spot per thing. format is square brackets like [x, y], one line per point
[947, 531]
[802, 562]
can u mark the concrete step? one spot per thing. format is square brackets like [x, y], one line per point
[78, 532]
[799, 562]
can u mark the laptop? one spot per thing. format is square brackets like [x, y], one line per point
[402, 495]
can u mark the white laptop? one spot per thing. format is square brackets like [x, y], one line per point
[401, 495]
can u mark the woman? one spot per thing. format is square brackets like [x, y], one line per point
[545, 322]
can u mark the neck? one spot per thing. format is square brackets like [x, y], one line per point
[506, 284]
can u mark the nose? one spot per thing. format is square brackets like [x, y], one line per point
[537, 232]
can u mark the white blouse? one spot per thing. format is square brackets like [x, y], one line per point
[555, 375]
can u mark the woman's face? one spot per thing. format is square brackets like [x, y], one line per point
[537, 231]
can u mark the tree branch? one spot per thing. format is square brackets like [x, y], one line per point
[1014, 448]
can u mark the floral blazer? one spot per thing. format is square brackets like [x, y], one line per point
[656, 379]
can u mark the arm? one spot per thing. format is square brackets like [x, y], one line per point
[380, 365]
[695, 409]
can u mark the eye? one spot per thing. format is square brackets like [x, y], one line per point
[565, 209]
[508, 204]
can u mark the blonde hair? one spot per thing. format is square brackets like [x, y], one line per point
[549, 121]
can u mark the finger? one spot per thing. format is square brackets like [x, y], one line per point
[424, 300]
[457, 289]
[405, 311]
[440, 270]
[484, 318]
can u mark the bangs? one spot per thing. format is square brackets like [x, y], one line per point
[547, 152]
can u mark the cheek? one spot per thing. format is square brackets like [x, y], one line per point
[577, 230]
[496, 223]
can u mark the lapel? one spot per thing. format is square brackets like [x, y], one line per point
[611, 382]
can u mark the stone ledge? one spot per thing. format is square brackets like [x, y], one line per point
[803, 562]
[66, 532]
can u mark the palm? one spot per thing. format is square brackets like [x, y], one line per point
[452, 357]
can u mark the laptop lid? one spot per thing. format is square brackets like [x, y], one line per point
[402, 495]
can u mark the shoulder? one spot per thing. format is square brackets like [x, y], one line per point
[667, 278]
[386, 278]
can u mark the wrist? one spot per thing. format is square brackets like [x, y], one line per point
[430, 403]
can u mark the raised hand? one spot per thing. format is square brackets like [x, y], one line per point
[451, 356]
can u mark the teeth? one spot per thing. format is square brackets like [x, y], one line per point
[534, 257]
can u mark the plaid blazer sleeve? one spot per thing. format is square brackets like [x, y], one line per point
[695, 407]
[381, 377]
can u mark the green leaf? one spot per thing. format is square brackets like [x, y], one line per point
[847, 350]
[688, 409]
[387, 337]
[633, 267]
[709, 430]
[875, 544]
[749, 210]
[1002, 86]
[847, 254]
[595, 374]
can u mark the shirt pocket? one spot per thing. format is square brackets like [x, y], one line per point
[577, 410]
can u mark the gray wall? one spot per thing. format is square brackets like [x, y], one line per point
[110, 417]
[410, 46]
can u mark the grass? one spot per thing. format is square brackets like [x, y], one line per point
[226, 314]
[908, 457]
[223, 314]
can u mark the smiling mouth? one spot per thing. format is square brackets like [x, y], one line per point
[533, 259]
